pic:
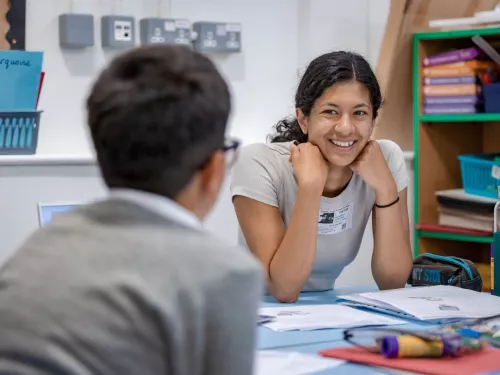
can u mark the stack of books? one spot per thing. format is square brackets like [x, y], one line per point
[460, 210]
[451, 81]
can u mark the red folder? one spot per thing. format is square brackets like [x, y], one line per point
[482, 362]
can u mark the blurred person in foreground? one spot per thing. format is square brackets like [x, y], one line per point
[133, 284]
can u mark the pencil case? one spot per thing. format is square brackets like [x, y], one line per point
[430, 269]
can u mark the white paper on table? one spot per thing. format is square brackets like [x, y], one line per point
[272, 362]
[440, 301]
[310, 317]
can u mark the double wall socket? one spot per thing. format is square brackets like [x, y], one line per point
[217, 37]
[76, 30]
[118, 31]
[165, 31]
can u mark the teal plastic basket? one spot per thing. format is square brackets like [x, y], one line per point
[19, 132]
[480, 174]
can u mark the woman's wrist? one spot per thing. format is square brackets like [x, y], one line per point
[312, 189]
[386, 195]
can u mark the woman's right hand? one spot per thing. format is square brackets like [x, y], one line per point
[311, 168]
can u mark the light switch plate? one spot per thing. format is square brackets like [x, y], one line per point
[118, 31]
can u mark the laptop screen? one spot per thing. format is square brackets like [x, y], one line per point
[46, 212]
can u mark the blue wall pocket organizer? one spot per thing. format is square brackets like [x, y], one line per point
[19, 132]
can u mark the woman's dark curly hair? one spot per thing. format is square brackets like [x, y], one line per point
[323, 72]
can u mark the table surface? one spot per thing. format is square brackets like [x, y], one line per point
[314, 341]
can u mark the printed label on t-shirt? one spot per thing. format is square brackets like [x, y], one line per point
[335, 221]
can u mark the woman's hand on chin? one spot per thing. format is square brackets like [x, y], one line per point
[371, 166]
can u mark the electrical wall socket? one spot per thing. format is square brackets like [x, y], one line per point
[118, 31]
[123, 31]
[165, 31]
[76, 30]
[217, 37]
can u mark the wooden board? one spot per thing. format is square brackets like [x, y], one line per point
[439, 167]
[491, 137]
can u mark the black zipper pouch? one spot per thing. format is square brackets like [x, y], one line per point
[431, 269]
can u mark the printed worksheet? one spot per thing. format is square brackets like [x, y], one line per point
[311, 317]
[439, 301]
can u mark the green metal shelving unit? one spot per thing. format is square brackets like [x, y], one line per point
[442, 37]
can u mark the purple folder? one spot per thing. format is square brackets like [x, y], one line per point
[453, 56]
[459, 99]
[441, 109]
[464, 80]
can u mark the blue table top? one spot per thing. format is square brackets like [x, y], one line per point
[314, 341]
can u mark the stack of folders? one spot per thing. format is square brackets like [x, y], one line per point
[452, 81]
[433, 304]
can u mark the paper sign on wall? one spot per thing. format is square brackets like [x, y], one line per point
[19, 79]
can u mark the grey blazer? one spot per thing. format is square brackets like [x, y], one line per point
[113, 288]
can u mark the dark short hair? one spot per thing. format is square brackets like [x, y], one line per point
[323, 72]
[156, 114]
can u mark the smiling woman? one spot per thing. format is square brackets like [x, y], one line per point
[303, 200]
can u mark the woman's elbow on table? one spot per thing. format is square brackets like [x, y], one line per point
[286, 297]
[283, 296]
[393, 280]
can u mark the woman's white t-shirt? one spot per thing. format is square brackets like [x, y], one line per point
[264, 173]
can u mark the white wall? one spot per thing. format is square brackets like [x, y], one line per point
[22, 187]
[262, 77]
[279, 38]
[354, 25]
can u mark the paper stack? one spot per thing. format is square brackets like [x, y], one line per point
[311, 317]
[434, 303]
[461, 210]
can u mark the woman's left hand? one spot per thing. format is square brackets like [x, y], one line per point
[371, 166]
